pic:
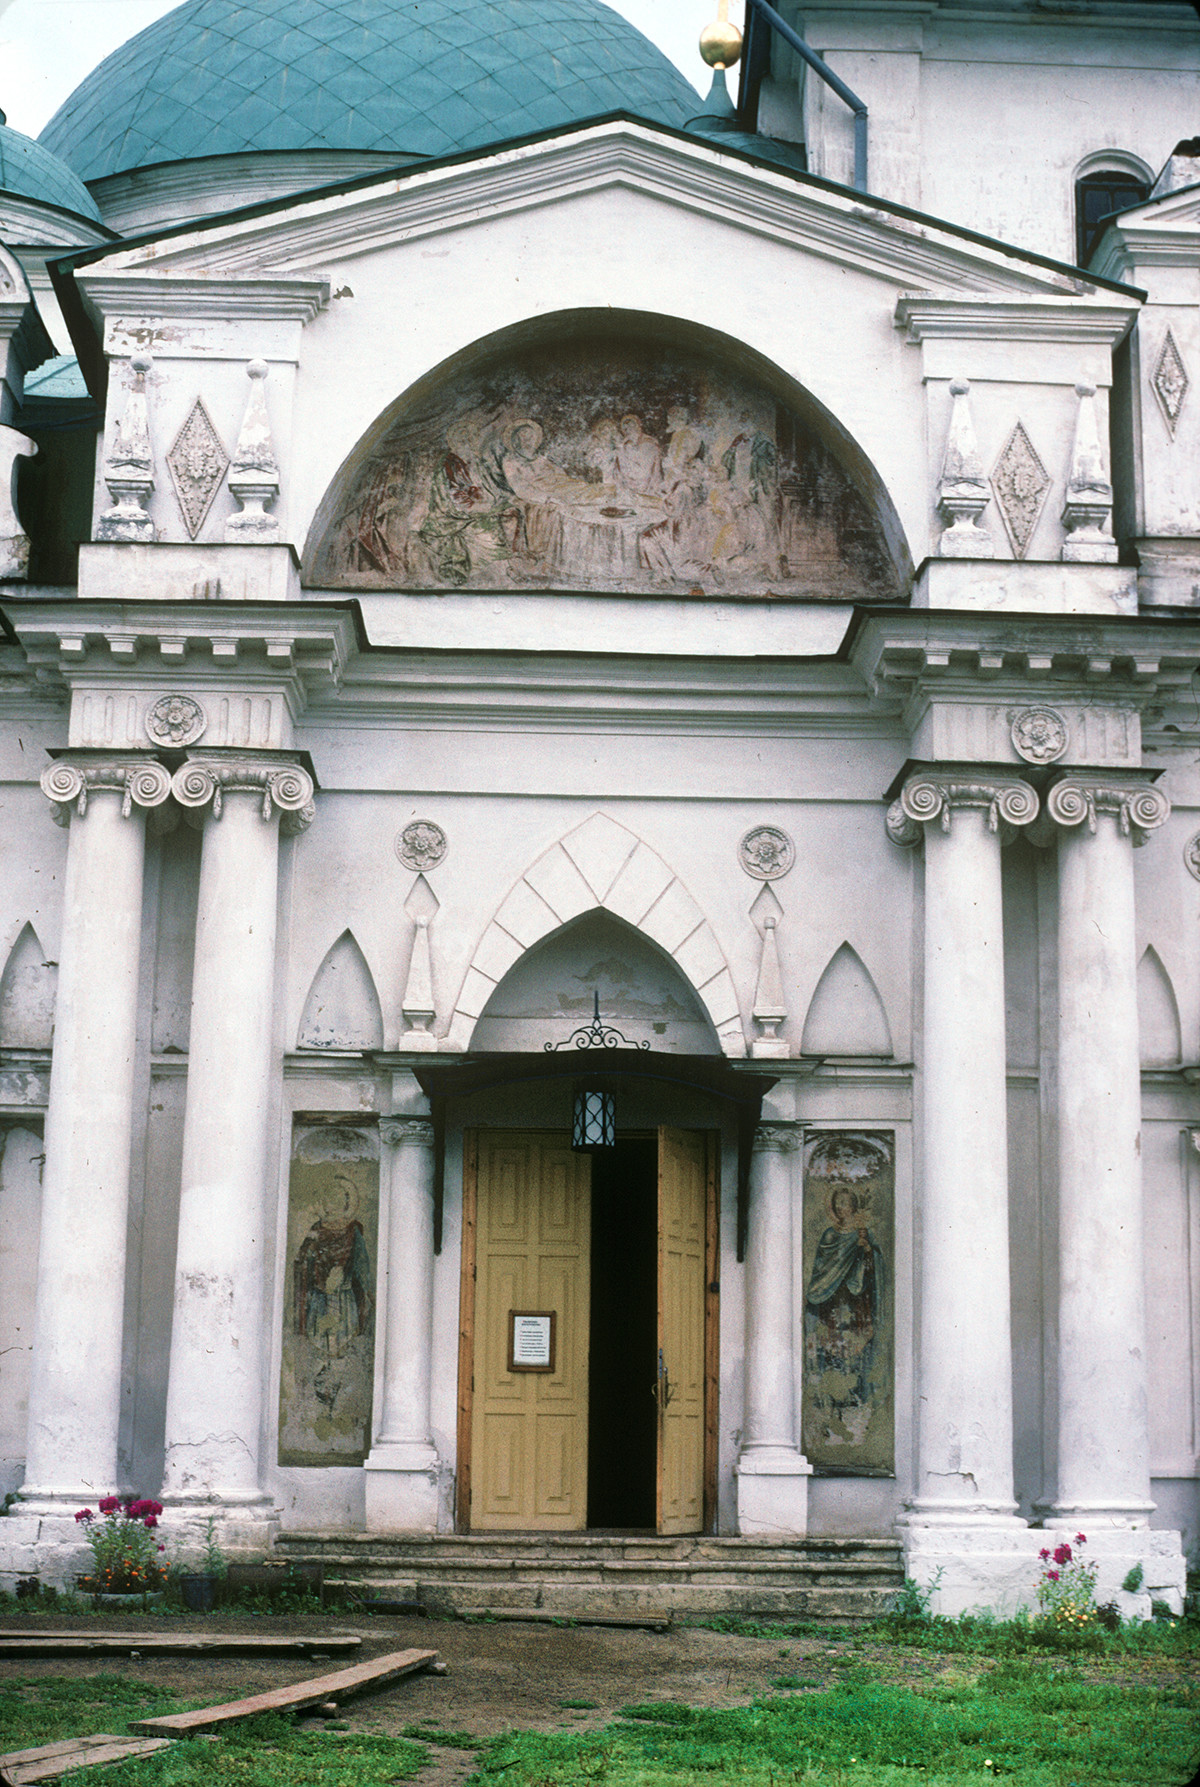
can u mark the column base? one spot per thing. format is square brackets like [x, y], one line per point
[43, 1540]
[401, 1482]
[243, 1526]
[993, 1563]
[772, 1493]
[1118, 1544]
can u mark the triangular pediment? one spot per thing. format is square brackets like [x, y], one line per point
[298, 239]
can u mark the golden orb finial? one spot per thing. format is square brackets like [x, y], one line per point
[721, 42]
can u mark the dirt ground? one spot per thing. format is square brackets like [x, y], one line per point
[501, 1675]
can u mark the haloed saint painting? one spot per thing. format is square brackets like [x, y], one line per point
[849, 1402]
[603, 464]
[328, 1360]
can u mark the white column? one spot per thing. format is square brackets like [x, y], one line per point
[402, 1468]
[215, 1380]
[75, 1386]
[964, 1464]
[772, 1474]
[1103, 1441]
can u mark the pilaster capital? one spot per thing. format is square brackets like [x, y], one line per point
[397, 1132]
[280, 782]
[777, 1138]
[933, 794]
[1138, 807]
[68, 782]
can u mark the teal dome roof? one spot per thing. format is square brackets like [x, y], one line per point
[418, 77]
[33, 172]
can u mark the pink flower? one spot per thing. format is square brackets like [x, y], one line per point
[150, 1520]
[84, 1515]
[1062, 1553]
[1044, 1555]
[1052, 1575]
[162, 1548]
[1080, 1539]
[110, 1504]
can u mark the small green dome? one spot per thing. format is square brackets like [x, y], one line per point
[417, 77]
[30, 171]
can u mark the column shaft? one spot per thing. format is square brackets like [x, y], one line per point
[75, 1385]
[214, 1394]
[965, 1367]
[1103, 1443]
[408, 1338]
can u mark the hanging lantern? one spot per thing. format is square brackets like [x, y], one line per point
[594, 1124]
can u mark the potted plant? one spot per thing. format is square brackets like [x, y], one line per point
[127, 1555]
[199, 1587]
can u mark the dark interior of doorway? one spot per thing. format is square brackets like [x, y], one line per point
[622, 1372]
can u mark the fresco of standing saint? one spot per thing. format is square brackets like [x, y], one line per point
[848, 1400]
[328, 1362]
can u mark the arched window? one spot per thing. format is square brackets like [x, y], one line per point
[1104, 185]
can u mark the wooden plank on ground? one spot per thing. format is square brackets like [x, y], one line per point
[150, 1644]
[20, 1768]
[338, 1686]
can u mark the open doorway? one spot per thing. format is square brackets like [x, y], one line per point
[622, 1366]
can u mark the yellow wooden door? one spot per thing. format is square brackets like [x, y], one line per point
[533, 1253]
[682, 1212]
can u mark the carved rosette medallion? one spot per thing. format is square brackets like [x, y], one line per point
[175, 720]
[1138, 808]
[1191, 856]
[1170, 382]
[1040, 735]
[395, 1132]
[197, 465]
[140, 782]
[421, 845]
[1021, 483]
[766, 853]
[1005, 800]
[286, 788]
[776, 1138]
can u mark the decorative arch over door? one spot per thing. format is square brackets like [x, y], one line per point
[602, 864]
[610, 451]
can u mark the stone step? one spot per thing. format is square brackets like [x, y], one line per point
[611, 1574]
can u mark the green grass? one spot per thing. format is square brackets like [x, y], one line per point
[1034, 1724]
[42, 1709]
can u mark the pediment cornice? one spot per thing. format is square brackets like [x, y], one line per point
[304, 235]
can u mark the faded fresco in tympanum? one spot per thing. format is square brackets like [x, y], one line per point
[606, 465]
[329, 1307]
[848, 1408]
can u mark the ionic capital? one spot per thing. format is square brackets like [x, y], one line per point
[69, 782]
[776, 1138]
[929, 795]
[397, 1132]
[1138, 807]
[281, 784]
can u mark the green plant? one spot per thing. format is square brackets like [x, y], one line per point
[1133, 1579]
[213, 1562]
[128, 1556]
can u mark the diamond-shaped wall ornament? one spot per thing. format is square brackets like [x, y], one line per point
[1170, 381]
[1021, 483]
[197, 463]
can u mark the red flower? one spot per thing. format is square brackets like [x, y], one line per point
[1044, 1555]
[1080, 1539]
[110, 1504]
[1062, 1553]
[84, 1515]
[1052, 1575]
[150, 1520]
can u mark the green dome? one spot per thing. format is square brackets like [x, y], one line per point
[31, 171]
[418, 77]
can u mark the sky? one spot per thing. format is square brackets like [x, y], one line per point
[48, 46]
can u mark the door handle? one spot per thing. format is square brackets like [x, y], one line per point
[662, 1391]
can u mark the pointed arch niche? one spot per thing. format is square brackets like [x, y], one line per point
[846, 1014]
[342, 1010]
[615, 451]
[644, 935]
[1160, 1038]
[28, 988]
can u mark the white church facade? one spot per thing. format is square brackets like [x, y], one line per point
[616, 616]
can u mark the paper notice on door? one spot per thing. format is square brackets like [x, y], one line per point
[531, 1339]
